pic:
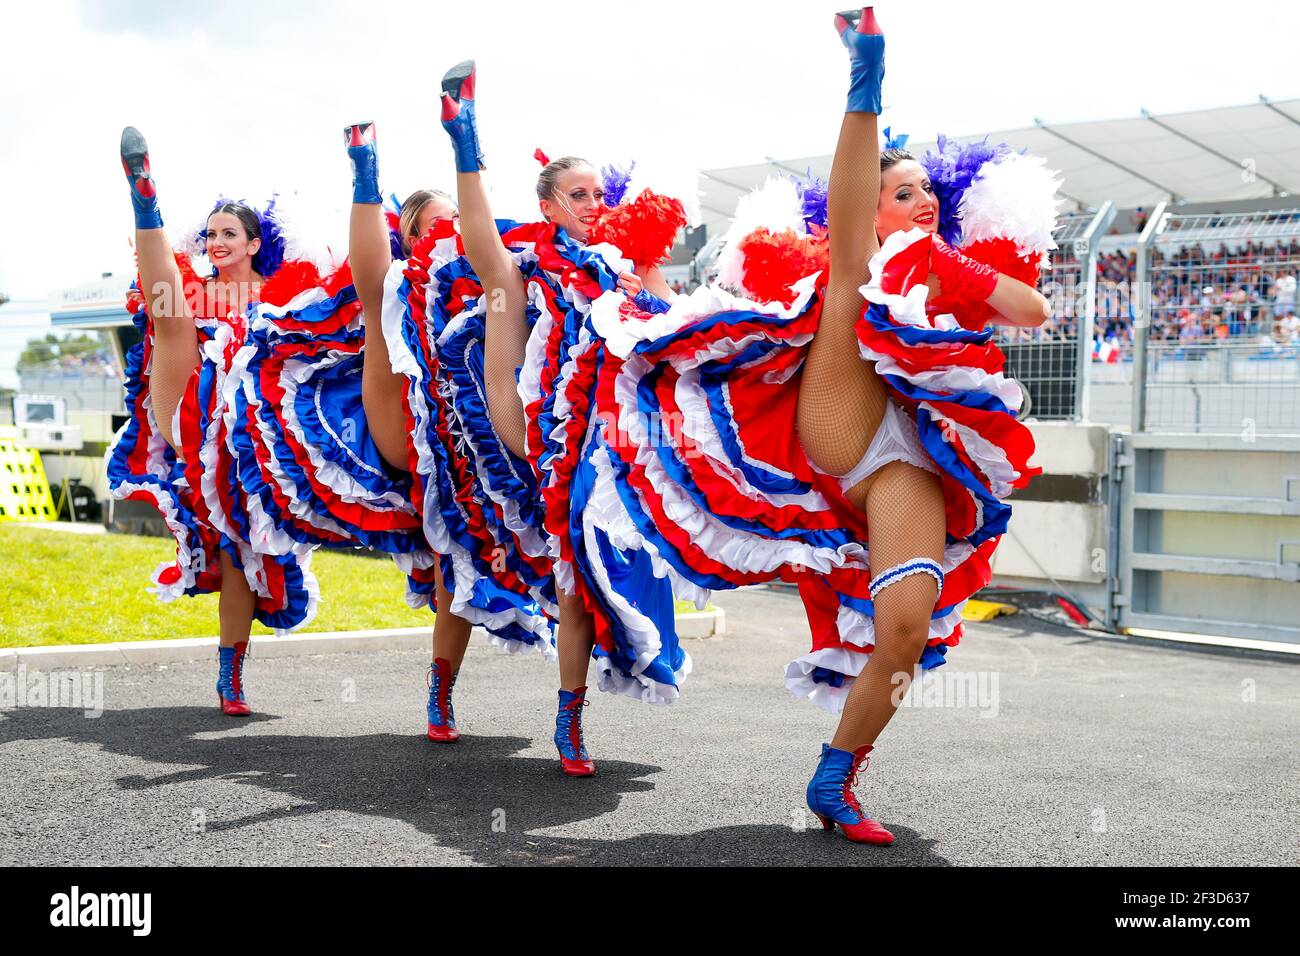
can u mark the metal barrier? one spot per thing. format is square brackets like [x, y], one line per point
[1053, 362]
[1208, 535]
[1218, 350]
[84, 391]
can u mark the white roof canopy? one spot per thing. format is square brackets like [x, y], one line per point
[1218, 155]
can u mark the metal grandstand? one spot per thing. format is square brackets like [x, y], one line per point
[1212, 156]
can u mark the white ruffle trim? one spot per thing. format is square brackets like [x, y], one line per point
[166, 505]
[622, 333]
[799, 672]
[640, 687]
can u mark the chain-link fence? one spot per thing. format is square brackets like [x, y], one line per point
[1051, 362]
[1222, 344]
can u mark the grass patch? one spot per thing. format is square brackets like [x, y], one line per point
[63, 588]
[66, 588]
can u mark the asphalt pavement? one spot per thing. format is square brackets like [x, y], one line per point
[1066, 749]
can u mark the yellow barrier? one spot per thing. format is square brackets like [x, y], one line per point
[24, 490]
[985, 610]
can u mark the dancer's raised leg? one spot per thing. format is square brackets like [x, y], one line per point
[175, 346]
[507, 331]
[841, 398]
[370, 254]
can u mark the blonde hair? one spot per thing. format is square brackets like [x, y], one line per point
[411, 209]
[549, 178]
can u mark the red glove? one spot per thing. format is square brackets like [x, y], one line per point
[962, 280]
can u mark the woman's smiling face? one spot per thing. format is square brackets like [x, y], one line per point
[576, 202]
[226, 242]
[907, 200]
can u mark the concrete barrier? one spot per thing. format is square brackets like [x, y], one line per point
[1059, 536]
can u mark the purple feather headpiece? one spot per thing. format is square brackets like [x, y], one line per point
[952, 169]
[270, 255]
[615, 180]
[812, 197]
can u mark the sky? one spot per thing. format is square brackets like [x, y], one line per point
[246, 98]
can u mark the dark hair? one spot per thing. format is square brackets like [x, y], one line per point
[893, 156]
[246, 216]
[410, 212]
[549, 179]
[263, 224]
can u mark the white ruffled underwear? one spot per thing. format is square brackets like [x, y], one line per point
[896, 440]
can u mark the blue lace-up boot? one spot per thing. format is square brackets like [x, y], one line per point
[360, 139]
[230, 680]
[442, 717]
[831, 798]
[568, 734]
[144, 195]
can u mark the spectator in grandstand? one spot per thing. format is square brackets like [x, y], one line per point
[1284, 295]
[1236, 311]
[1192, 329]
[1288, 329]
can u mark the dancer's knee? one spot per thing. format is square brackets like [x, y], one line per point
[900, 640]
[904, 597]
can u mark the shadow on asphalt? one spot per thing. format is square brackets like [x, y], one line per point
[456, 793]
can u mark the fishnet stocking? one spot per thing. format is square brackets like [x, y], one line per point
[905, 518]
[841, 398]
[175, 344]
[507, 329]
[382, 389]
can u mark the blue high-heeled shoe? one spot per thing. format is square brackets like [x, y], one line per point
[144, 195]
[360, 139]
[861, 34]
[458, 117]
[568, 734]
[831, 798]
[442, 716]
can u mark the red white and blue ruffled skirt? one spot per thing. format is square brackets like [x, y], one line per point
[664, 444]
[277, 459]
[197, 494]
[478, 503]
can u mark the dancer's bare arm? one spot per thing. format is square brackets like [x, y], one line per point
[1018, 304]
[652, 279]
